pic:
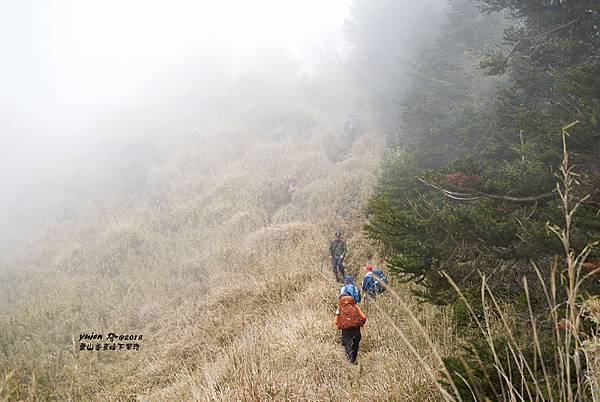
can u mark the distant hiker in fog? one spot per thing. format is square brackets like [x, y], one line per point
[374, 282]
[350, 288]
[337, 251]
[292, 183]
[349, 318]
[352, 127]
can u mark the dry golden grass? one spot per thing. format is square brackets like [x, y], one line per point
[224, 274]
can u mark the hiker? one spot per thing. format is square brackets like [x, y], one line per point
[349, 318]
[352, 127]
[337, 251]
[350, 288]
[292, 183]
[374, 282]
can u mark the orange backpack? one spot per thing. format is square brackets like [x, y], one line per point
[349, 317]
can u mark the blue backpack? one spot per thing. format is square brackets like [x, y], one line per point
[353, 291]
[376, 284]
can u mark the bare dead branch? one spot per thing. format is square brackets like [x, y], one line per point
[473, 195]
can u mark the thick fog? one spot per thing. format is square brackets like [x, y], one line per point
[75, 74]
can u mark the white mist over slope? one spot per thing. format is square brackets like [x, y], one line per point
[73, 71]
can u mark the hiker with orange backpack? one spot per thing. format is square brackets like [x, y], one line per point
[349, 318]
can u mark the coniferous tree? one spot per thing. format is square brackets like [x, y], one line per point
[385, 36]
[470, 186]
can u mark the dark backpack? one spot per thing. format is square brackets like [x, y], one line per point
[378, 287]
[349, 317]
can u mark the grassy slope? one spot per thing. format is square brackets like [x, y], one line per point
[226, 278]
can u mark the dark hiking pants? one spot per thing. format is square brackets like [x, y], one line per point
[338, 263]
[351, 340]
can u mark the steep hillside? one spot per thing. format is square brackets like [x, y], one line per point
[223, 272]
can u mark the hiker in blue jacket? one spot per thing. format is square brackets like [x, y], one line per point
[350, 288]
[374, 282]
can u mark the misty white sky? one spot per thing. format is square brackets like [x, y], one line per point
[67, 62]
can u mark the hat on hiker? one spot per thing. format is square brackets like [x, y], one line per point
[344, 293]
[338, 233]
[348, 280]
[368, 268]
